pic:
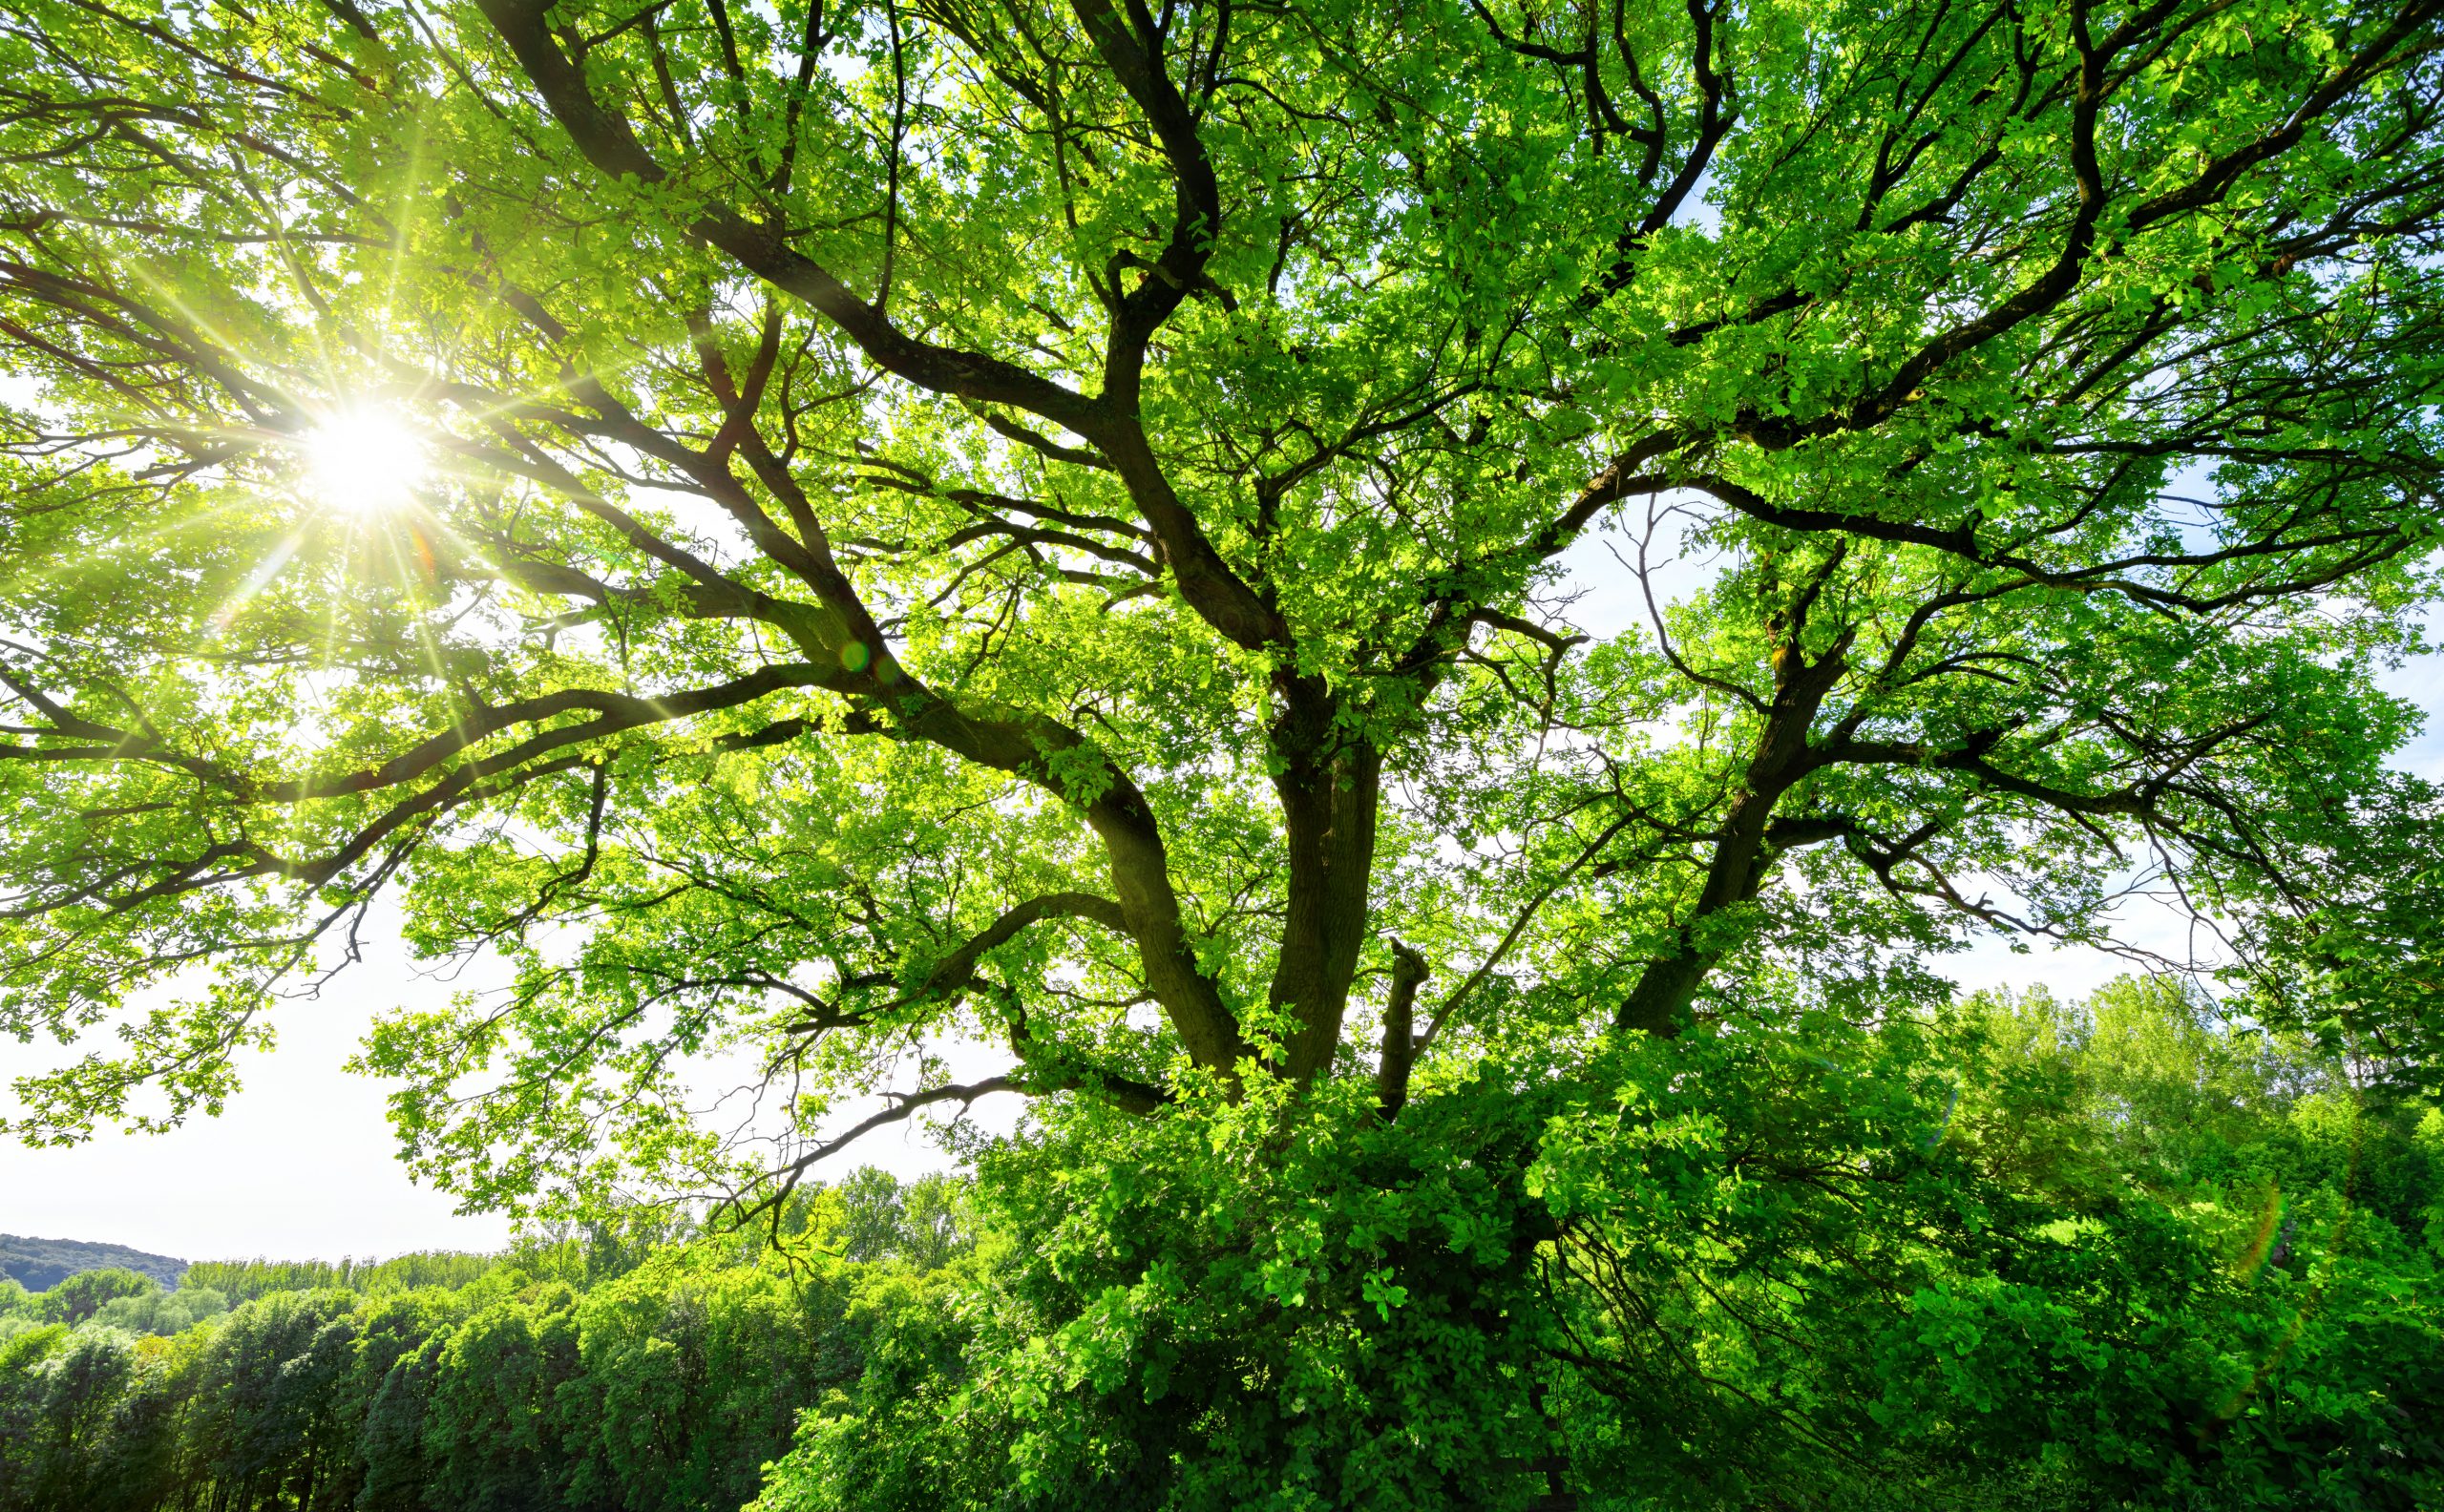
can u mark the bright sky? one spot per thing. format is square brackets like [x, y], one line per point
[300, 1165]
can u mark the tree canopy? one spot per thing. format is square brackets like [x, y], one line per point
[1390, 564]
[947, 520]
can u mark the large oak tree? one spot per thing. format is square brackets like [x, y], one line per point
[1368, 599]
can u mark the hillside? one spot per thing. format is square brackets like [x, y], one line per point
[39, 1264]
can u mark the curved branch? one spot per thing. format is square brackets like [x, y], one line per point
[609, 142]
[907, 1107]
[953, 973]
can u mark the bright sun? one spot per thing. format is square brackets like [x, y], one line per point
[365, 460]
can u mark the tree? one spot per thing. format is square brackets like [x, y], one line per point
[879, 1218]
[488, 1428]
[162, 1312]
[839, 532]
[87, 1292]
[267, 1385]
[665, 1388]
[2052, 392]
[692, 1377]
[75, 1398]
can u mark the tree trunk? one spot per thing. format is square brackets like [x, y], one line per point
[1330, 786]
[1400, 1032]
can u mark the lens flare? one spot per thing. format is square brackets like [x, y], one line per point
[365, 460]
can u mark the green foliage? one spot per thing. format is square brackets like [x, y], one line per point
[87, 1292]
[2012, 1254]
[873, 1214]
[1329, 1280]
[689, 1377]
[487, 1431]
[62, 1393]
[662, 1384]
[162, 1312]
[245, 1280]
[1947, 1257]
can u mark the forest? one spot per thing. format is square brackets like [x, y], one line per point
[36, 1264]
[625, 1371]
[1411, 671]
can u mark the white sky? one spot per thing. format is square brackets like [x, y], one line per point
[300, 1166]
[300, 1163]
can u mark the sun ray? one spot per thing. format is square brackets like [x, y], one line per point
[400, 213]
[171, 526]
[256, 581]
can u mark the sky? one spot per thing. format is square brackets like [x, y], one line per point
[300, 1165]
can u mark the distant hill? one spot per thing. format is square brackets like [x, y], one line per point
[41, 1264]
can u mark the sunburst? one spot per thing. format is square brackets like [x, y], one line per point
[365, 460]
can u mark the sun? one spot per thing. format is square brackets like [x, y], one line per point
[365, 460]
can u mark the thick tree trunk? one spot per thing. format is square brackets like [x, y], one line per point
[1329, 788]
[1659, 1003]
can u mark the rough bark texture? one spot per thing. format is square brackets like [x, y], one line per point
[1399, 1055]
[1329, 788]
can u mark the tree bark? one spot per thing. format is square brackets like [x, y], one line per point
[1400, 1032]
[1330, 787]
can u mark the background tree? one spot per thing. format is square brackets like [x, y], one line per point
[87, 1292]
[665, 1385]
[162, 1312]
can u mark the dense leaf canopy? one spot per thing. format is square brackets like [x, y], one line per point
[1045, 527]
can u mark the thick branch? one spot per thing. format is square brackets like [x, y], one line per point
[1666, 987]
[1400, 1030]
